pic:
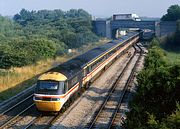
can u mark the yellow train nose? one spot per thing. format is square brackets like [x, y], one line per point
[48, 105]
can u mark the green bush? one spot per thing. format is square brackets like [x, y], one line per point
[19, 53]
[157, 94]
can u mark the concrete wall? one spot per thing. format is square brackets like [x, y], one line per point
[108, 29]
[100, 27]
[167, 27]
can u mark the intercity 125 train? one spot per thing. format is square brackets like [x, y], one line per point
[57, 85]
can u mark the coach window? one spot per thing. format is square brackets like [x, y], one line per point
[118, 47]
[93, 66]
[103, 58]
[111, 52]
[74, 80]
[89, 69]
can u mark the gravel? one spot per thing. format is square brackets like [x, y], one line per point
[132, 89]
[84, 107]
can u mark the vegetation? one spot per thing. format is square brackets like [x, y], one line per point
[34, 41]
[173, 56]
[15, 80]
[156, 104]
[173, 13]
[35, 35]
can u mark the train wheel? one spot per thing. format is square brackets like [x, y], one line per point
[83, 89]
[76, 95]
[105, 68]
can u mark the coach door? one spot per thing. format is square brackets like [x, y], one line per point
[80, 79]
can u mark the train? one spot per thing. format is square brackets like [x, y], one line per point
[56, 86]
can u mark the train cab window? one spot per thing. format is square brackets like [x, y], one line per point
[61, 87]
[65, 86]
[48, 85]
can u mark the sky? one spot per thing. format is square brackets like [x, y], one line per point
[98, 8]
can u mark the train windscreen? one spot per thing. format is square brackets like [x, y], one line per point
[48, 85]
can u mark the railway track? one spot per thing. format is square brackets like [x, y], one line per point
[11, 114]
[46, 120]
[117, 119]
[105, 116]
[26, 107]
[42, 122]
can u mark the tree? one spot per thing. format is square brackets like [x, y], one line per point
[35, 35]
[173, 13]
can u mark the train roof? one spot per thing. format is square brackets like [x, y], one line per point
[73, 66]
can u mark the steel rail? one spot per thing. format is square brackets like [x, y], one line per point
[111, 90]
[125, 90]
[14, 106]
[15, 117]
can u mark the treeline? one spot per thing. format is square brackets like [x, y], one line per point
[173, 13]
[156, 103]
[35, 35]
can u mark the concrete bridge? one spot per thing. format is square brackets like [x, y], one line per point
[107, 28]
[151, 25]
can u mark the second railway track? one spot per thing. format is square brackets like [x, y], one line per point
[105, 116]
[118, 117]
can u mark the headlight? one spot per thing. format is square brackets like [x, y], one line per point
[55, 99]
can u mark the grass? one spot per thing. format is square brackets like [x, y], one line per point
[173, 52]
[173, 56]
[15, 80]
